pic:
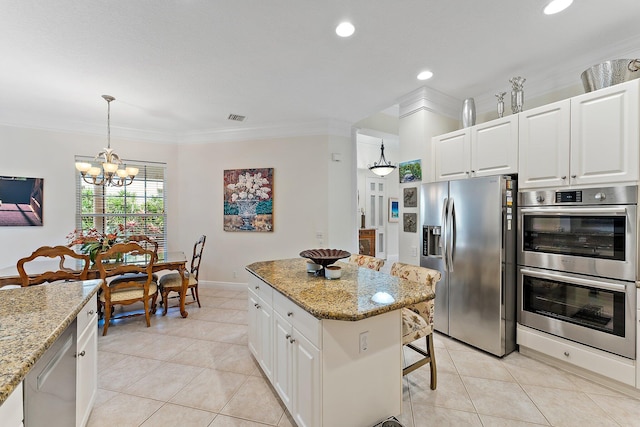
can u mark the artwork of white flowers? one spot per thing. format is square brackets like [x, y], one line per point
[248, 199]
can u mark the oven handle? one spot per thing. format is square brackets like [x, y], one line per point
[577, 281]
[575, 211]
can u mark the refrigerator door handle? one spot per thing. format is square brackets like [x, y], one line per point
[451, 230]
[443, 237]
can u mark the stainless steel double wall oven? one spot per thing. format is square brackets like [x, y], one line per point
[578, 265]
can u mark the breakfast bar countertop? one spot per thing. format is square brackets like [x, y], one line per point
[358, 294]
[31, 319]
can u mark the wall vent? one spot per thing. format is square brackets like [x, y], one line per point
[236, 117]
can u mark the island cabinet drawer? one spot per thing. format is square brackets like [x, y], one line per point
[87, 315]
[305, 323]
[261, 289]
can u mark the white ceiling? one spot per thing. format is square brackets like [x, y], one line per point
[178, 68]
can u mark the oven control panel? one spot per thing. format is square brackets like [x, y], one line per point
[568, 196]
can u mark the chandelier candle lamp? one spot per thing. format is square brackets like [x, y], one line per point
[382, 167]
[112, 173]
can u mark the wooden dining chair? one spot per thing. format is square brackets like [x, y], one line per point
[172, 282]
[366, 261]
[417, 319]
[148, 243]
[61, 271]
[128, 291]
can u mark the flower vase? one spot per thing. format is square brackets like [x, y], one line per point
[247, 213]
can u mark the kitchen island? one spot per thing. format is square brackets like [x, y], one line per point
[32, 319]
[331, 348]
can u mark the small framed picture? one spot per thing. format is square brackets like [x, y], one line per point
[410, 222]
[394, 209]
[410, 197]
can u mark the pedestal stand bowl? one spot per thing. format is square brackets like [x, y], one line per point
[324, 257]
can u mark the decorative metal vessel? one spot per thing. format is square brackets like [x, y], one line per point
[610, 73]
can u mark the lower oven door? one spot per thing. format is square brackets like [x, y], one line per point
[593, 311]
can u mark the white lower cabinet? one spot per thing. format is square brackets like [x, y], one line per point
[260, 331]
[607, 365]
[87, 362]
[317, 368]
[638, 340]
[296, 372]
[11, 410]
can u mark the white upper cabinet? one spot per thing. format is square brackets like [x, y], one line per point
[544, 139]
[452, 155]
[604, 135]
[494, 147]
[591, 139]
[489, 148]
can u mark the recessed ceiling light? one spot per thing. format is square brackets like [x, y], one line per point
[556, 6]
[345, 29]
[425, 75]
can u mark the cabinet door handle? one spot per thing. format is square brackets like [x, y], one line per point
[564, 177]
[467, 172]
[257, 287]
[257, 305]
[287, 336]
[290, 313]
[574, 176]
[90, 313]
[82, 353]
[566, 353]
[292, 340]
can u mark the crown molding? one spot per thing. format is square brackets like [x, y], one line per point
[425, 98]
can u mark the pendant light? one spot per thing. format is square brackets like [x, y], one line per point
[382, 167]
[112, 174]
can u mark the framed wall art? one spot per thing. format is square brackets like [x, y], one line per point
[410, 222]
[248, 199]
[21, 201]
[410, 171]
[410, 197]
[394, 209]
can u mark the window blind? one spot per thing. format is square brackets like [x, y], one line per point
[139, 206]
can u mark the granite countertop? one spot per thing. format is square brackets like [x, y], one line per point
[31, 319]
[358, 294]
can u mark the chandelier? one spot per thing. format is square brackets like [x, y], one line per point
[382, 167]
[112, 174]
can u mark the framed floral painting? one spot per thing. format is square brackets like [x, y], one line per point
[248, 199]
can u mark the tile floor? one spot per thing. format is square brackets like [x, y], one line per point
[199, 372]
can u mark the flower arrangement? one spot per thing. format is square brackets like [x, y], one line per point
[249, 187]
[93, 241]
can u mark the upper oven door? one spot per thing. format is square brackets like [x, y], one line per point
[594, 240]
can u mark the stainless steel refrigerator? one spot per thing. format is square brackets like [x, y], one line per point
[469, 234]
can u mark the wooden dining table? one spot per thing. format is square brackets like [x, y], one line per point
[169, 260]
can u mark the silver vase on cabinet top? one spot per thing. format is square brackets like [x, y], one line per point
[500, 105]
[468, 113]
[517, 94]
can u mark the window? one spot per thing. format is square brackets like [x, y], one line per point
[140, 205]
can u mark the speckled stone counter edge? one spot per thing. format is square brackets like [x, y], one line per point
[348, 298]
[31, 319]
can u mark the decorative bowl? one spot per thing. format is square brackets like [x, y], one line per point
[324, 257]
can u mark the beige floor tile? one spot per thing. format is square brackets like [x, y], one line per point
[568, 408]
[450, 392]
[624, 410]
[235, 304]
[226, 421]
[588, 386]
[479, 364]
[170, 415]
[489, 421]
[210, 390]
[453, 344]
[230, 294]
[107, 359]
[502, 399]
[126, 372]
[202, 353]
[212, 301]
[427, 416]
[256, 401]
[103, 396]
[123, 411]
[223, 315]
[163, 383]
[286, 420]
[238, 359]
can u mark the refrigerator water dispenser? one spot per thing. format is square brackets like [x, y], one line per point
[431, 235]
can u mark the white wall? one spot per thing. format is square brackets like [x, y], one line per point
[50, 155]
[416, 130]
[312, 194]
